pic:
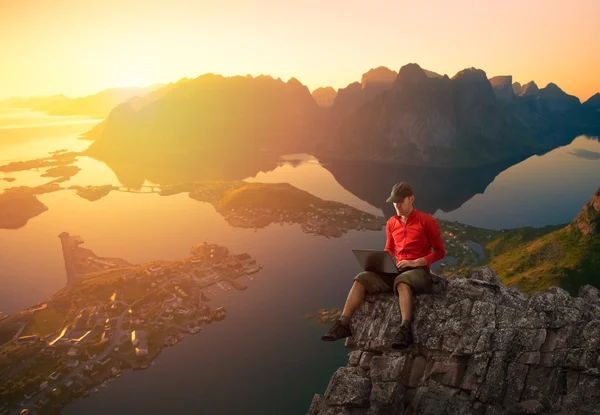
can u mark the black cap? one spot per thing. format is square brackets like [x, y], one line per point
[399, 192]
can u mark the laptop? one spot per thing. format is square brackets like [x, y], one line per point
[376, 261]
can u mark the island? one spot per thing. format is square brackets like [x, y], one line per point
[17, 207]
[242, 204]
[93, 193]
[61, 171]
[57, 159]
[111, 316]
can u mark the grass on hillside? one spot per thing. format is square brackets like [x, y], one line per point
[271, 196]
[535, 259]
[46, 321]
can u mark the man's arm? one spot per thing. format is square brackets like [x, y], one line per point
[390, 245]
[435, 239]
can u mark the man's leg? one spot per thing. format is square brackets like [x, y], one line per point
[354, 300]
[407, 284]
[341, 328]
[405, 297]
[363, 282]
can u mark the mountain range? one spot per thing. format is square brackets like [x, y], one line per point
[97, 105]
[413, 117]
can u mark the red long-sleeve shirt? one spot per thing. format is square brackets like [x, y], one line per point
[415, 239]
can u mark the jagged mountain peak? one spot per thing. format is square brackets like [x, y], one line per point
[516, 87]
[378, 76]
[411, 73]
[324, 96]
[529, 89]
[471, 75]
[593, 101]
[503, 87]
[501, 81]
[294, 82]
[553, 87]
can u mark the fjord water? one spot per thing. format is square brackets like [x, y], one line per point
[264, 357]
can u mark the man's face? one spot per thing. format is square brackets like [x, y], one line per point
[403, 208]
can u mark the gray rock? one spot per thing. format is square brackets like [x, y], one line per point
[387, 395]
[514, 298]
[479, 348]
[354, 357]
[485, 274]
[316, 405]
[591, 334]
[365, 359]
[387, 368]
[530, 407]
[433, 400]
[348, 387]
[517, 373]
[590, 295]
[542, 301]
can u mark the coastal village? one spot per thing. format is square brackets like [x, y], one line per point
[111, 317]
[330, 223]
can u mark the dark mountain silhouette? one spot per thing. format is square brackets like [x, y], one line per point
[516, 87]
[210, 119]
[503, 88]
[414, 117]
[529, 88]
[464, 121]
[378, 76]
[324, 96]
[593, 102]
[372, 84]
[432, 121]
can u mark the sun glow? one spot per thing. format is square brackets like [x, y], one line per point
[80, 48]
[132, 76]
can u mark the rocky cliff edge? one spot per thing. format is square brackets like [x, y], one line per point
[480, 347]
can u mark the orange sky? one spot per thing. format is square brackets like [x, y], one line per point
[79, 47]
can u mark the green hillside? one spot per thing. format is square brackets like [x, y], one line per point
[566, 256]
[281, 196]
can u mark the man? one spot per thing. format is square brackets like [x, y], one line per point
[411, 236]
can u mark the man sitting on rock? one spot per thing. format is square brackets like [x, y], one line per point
[411, 235]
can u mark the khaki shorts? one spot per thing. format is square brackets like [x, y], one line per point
[418, 279]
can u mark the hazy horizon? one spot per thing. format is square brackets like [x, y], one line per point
[85, 48]
[160, 84]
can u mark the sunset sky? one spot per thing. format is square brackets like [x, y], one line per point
[79, 47]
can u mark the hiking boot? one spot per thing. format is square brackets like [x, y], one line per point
[404, 337]
[337, 331]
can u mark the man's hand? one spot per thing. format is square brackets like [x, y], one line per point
[413, 263]
[406, 263]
